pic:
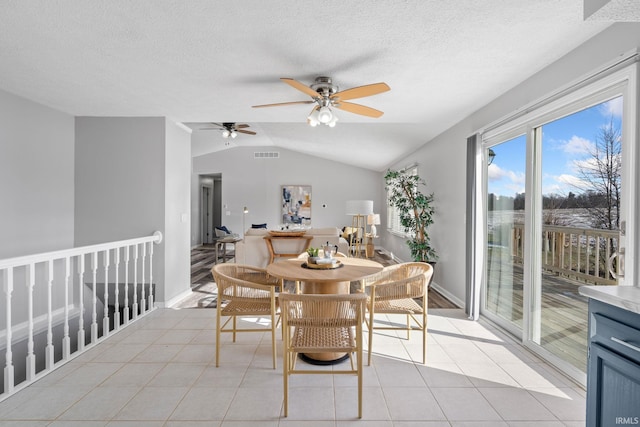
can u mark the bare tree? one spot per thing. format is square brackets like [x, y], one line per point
[600, 175]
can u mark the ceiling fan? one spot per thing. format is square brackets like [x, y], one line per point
[231, 130]
[326, 95]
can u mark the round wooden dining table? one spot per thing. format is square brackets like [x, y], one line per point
[324, 281]
[329, 281]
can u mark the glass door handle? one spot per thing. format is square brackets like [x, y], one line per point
[620, 256]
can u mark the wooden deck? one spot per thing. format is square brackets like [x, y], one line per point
[563, 312]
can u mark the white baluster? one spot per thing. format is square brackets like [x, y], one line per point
[143, 305]
[48, 350]
[66, 341]
[126, 284]
[116, 314]
[151, 275]
[81, 269]
[135, 282]
[94, 299]
[105, 318]
[8, 368]
[31, 358]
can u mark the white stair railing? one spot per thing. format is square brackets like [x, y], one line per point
[41, 296]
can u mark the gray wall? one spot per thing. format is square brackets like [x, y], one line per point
[255, 183]
[128, 185]
[36, 177]
[442, 160]
[36, 192]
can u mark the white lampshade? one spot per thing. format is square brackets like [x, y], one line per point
[324, 115]
[373, 219]
[359, 207]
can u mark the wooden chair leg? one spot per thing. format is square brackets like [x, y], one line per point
[218, 326]
[274, 351]
[370, 336]
[424, 337]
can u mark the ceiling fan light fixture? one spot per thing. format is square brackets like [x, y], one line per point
[233, 134]
[312, 119]
[324, 115]
[333, 121]
[226, 133]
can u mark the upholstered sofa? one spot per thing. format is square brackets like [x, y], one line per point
[253, 249]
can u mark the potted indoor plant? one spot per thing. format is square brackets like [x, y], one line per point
[415, 210]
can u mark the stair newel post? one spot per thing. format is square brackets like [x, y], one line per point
[151, 275]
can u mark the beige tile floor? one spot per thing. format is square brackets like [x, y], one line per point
[160, 372]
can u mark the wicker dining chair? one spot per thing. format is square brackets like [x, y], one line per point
[314, 323]
[244, 290]
[394, 290]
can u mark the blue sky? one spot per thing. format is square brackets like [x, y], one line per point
[567, 143]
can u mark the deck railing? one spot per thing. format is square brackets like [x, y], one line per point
[44, 302]
[584, 254]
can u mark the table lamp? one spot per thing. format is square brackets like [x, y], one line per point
[372, 221]
[359, 209]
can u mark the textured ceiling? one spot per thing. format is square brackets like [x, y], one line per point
[201, 61]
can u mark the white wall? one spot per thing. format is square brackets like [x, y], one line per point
[132, 176]
[442, 161]
[255, 183]
[177, 217]
[36, 177]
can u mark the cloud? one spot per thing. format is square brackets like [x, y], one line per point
[612, 108]
[496, 173]
[572, 181]
[578, 145]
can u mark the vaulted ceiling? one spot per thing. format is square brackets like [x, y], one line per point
[200, 61]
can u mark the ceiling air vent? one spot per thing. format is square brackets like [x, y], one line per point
[266, 155]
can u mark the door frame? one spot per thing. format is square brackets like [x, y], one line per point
[605, 84]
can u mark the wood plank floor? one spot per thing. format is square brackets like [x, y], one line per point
[203, 287]
[563, 311]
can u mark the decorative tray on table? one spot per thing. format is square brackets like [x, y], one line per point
[287, 233]
[326, 266]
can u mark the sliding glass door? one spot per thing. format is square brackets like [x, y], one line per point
[580, 198]
[505, 221]
[559, 186]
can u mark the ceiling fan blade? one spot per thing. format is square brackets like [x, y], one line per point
[242, 126]
[217, 124]
[211, 129]
[361, 91]
[300, 86]
[248, 132]
[283, 103]
[358, 109]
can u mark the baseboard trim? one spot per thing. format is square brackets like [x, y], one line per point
[175, 300]
[442, 291]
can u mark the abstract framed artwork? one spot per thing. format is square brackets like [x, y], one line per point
[296, 204]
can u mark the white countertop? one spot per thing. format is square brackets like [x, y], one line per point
[627, 297]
